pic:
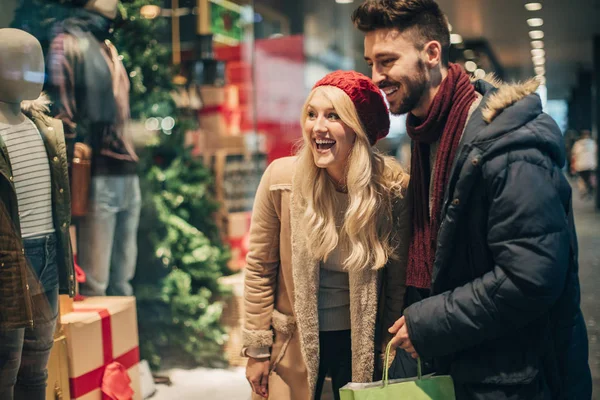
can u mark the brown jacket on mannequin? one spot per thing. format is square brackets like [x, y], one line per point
[282, 284]
[16, 309]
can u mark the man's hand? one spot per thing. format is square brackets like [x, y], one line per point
[401, 338]
[257, 373]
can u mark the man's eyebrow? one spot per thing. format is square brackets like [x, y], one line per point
[382, 55]
[385, 55]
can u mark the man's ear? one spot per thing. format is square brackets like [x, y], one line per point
[433, 54]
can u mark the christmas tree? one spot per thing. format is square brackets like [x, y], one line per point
[181, 256]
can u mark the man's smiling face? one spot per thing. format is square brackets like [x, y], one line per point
[397, 68]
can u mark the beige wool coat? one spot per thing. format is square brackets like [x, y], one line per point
[282, 284]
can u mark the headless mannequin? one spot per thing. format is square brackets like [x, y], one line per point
[24, 352]
[90, 92]
[21, 73]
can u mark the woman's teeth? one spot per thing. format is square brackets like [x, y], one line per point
[324, 144]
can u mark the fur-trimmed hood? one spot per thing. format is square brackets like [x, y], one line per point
[39, 107]
[505, 95]
[504, 109]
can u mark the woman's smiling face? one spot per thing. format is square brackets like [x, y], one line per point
[330, 138]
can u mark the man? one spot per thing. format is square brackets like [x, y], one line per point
[493, 293]
[585, 160]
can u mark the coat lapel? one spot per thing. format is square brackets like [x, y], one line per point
[306, 288]
[363, 316]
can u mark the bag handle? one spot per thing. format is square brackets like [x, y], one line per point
[386, 367]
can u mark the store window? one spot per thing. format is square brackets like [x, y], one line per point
[191, 99]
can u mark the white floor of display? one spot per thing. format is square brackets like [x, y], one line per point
[205, 384]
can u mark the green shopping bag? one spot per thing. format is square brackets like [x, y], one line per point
[428, 387]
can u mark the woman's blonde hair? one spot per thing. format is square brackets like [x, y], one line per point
[373, 182]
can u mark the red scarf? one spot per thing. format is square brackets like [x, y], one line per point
[445, 123]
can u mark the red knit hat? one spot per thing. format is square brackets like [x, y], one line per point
[367, 99]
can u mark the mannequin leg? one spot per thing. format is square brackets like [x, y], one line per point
[11, 345]
[124, 252]
[38, 341]
[33, 373]
[96, 236]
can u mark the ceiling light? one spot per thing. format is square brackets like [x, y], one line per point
[533, 6]
[539, 60]
[150, 11]
[455, 38]
[538, 52]
[536, 35]
[540, 70]
[537, 44]
[470, 66]
[469, 54]
[344, 1]
[534, 22]
[480, 74]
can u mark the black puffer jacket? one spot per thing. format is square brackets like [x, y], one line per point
[504, 317]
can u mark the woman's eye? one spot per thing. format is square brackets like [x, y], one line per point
[333, 116]
[311, 115]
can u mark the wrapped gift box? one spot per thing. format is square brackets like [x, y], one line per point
[224, 96]
[58, 371]
[103, 352]
[237, 72]
[203, 143]
[220, 114]
[220, 121]
[238, 228]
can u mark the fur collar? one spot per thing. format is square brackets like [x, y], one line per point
[38, 108]
[506, 95]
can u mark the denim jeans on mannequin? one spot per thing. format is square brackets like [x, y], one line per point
[107, 236]
[24, 353]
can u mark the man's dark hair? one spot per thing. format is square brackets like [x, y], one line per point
[423, 19]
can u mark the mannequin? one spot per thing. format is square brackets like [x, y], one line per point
[90, 91]
[36, 259]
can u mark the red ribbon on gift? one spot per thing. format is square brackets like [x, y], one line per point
[228, 113]
[241, 243]
[212, 109]
[111, 377]
[79, 273]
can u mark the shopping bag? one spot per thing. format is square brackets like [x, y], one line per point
[429, 387]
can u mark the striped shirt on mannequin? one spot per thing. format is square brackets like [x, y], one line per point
[31, 177]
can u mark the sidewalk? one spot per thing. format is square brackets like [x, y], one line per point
[205, 384]
[230, 384]
[587, 221]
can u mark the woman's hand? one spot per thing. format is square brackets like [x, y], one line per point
[257, 373]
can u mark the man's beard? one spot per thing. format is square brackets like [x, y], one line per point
[411, 90]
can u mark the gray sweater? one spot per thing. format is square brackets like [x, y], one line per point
[334, 289]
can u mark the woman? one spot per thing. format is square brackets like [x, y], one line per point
[328, 247]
